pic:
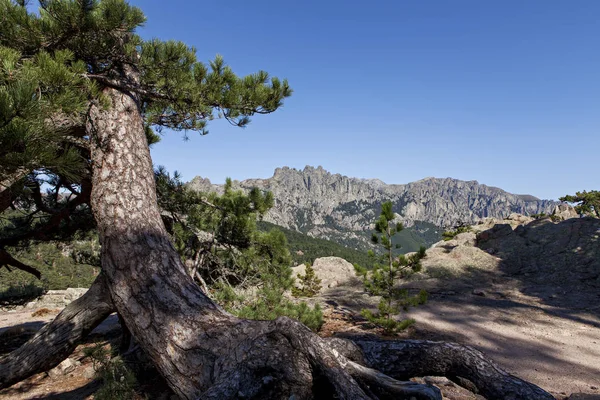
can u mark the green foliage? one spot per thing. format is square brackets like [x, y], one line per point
[98, 38]
[270, 309]
[538, 216]
[382, 280]
[118, 380]
[246, 270]
[20, 293]
[449, 235]
[360, 270]
[60, 264]
[556, 218]
[33, 91]
[587, 203]
[304, 248]
[310, 284]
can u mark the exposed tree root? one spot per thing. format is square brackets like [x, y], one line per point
[404, 359]
[55, 341]
[283, 358]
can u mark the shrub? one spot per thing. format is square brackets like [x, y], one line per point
[381, 281]
[449, 235]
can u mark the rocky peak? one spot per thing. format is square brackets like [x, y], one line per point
[334, 206]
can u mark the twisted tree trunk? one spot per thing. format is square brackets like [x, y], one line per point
[201, 350]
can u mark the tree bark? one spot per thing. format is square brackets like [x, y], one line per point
[55, 341]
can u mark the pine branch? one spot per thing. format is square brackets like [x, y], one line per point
[6, 260]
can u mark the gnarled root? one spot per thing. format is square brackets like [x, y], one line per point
[284, 359]
[404, 359]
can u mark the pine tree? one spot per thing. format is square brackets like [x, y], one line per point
[126, 89]
[383, 279]
[587, 202]
[310, 284]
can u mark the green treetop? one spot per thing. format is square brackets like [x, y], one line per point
[56, 63]
[587, 202]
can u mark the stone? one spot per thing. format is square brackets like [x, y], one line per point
[66, 366]
[89, 372]
[333, 271]
[57, 298]
[584, 396]
[564, 211]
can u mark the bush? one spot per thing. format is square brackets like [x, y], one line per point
[449, 235]
[263, 310]
[118, 381]
[18, 294]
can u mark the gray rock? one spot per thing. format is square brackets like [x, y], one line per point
[56, 298]
[584, 396]
[66, 366]
[89, 372]
[564, 211]
[341, 208]
[333, 272]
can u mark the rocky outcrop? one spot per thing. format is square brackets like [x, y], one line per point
[334, 206]
[546, 251]
[563, 251]
[57, 298]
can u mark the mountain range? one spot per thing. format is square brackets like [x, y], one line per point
[343, 209]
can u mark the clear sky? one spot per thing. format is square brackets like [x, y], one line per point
[506, 93]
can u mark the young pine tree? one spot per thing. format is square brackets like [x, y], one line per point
[382, 281]
[310, 284]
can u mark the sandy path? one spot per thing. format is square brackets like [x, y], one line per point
[557, 349]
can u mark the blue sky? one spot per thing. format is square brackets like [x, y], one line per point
[506, 93]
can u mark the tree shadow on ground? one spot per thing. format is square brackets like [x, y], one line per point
[537, 313]
[79, 393]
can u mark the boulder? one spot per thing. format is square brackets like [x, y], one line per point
[66, 366]
[564, 211]
[57, 298]
[333, 271]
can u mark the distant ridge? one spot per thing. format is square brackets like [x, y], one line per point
[341, 208]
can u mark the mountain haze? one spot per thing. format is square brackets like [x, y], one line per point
[341, 208]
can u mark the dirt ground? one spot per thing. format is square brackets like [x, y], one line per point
[540, 334]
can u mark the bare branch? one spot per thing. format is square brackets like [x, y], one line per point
[6, 259]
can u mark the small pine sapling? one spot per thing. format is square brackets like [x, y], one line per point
[382, 280]
[310, 284]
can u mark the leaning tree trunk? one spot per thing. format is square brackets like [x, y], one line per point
[55, 341]
[201, 350]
